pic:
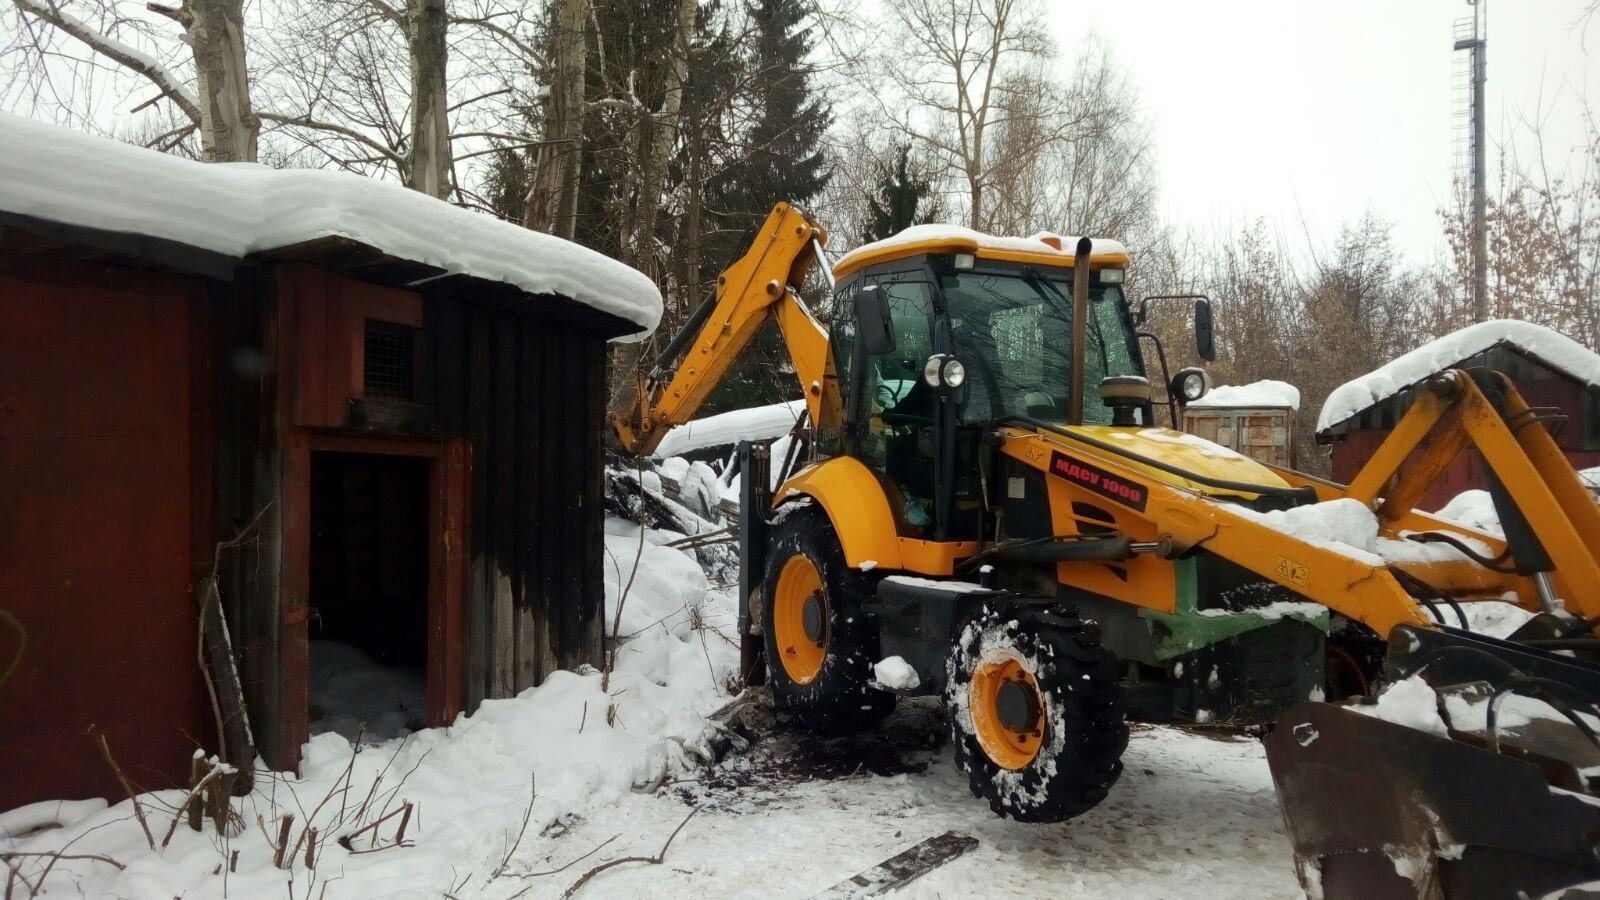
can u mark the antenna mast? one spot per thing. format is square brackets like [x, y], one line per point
[1472, 36]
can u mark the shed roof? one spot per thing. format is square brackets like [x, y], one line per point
[1538, 343]
[52, 177]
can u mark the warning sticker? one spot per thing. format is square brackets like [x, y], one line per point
[1288, 568]
[1123, 490]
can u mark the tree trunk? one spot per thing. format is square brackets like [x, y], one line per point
[662, 134]
[691, 222]
[553, 193]
[426, 24]
[228, 126]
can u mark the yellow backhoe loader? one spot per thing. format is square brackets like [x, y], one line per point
[979, 487]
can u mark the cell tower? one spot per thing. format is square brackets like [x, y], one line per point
[1471, 35]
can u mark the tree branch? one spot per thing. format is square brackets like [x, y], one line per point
[118, 52]
[342, 131]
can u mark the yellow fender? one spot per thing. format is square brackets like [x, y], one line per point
[855, 503]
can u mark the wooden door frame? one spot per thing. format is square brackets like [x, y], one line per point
[449, 479]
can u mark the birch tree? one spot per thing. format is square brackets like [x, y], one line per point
[552, 203]
[217, 105]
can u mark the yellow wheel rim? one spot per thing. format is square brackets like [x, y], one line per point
[799, 587]
[1011, 741]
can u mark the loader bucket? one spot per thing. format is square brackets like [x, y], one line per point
[1379, 810]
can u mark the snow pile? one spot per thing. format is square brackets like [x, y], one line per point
[1495, 618]
[352, 693]
[895, 674]
[1256, 393]
[1548, 347]
[1475, 507]
[1412, 703]
[236, 210]
[699, 488]
[23, 820]
[1468, 710]
[574, 748]
[1347, 527]
[966, 239]
[759, 424]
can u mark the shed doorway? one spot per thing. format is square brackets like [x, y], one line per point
[369, 585]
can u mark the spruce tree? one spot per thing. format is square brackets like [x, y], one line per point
[778, 157]
[903, 199]
[781, 155]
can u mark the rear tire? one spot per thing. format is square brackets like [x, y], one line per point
[820, 645]
[1045, 667]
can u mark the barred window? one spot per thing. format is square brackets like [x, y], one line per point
[389, 355]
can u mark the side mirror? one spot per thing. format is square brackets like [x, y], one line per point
[873, 328]
[1204, 342]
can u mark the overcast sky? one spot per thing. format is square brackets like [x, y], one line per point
[1299, 110]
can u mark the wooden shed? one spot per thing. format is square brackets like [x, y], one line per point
[395, 405]
[1549, 369]
[1254, 419]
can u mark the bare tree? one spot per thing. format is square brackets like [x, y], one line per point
[218, 105]
[968, 70]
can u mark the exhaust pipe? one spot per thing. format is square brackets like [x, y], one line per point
[1080, 318]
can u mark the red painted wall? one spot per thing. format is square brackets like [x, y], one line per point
[95, 530]
[1466, 473]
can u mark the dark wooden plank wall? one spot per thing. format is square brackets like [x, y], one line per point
[249, 480]
[530, 394]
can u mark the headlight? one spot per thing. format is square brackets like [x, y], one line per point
[1190, 385]
[954, 373]
[943, 370]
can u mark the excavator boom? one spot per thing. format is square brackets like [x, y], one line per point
[762, 284]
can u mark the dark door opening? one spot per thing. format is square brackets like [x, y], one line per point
[369, 594]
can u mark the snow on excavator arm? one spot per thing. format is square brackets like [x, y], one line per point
[762, 284]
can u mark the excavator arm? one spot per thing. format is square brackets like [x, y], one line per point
[762, 284]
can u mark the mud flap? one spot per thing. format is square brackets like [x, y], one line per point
[1378, 810]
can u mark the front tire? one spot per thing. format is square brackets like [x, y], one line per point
[820, 644]
[1036, 712]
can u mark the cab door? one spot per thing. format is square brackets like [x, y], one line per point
[891, 413]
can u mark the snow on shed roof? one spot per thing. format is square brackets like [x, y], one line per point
[57, 175]
[968, 239]
[1257, 393]
[758, 424]
[1537, 342]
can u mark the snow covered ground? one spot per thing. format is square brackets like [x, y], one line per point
[1193, 816]
[612, 773]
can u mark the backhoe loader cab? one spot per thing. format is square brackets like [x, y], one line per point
[981, 489]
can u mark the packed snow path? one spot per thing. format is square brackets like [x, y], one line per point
[1193, 816]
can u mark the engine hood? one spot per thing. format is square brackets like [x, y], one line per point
[1183, 452]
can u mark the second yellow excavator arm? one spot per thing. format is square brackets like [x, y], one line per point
[763, 283]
